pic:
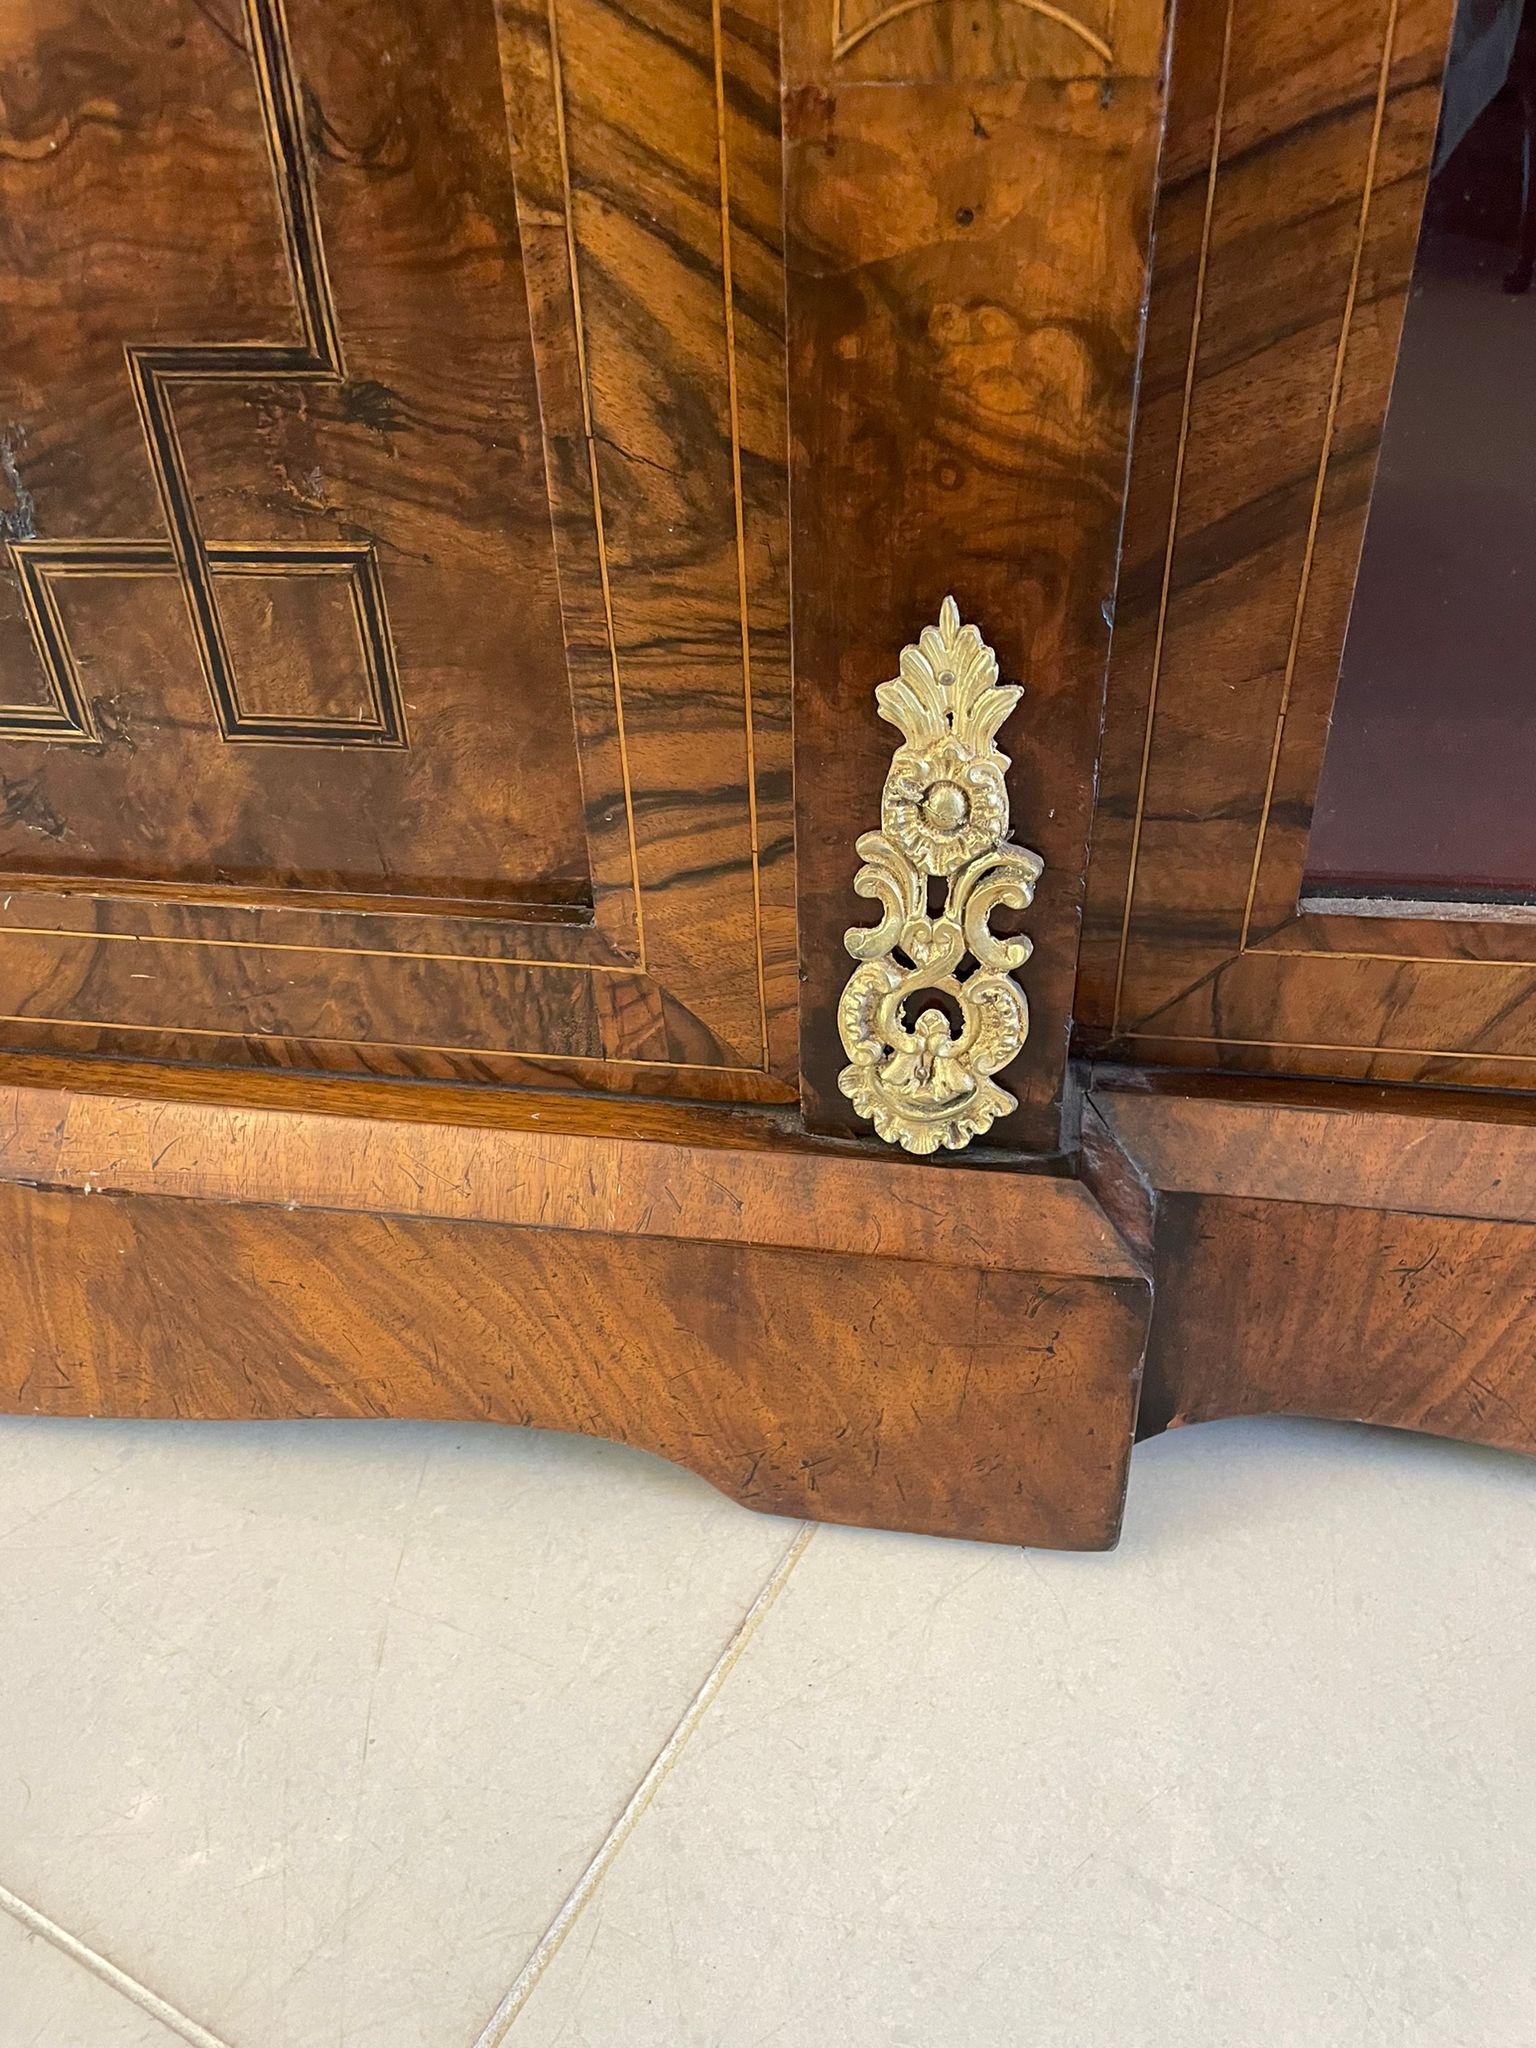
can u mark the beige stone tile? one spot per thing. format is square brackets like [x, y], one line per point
[47, 2000]
[1264, 1775]
[311, 1727]
[30, 1484]
[1499, 2007]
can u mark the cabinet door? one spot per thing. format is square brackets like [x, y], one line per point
[395, 620]
[1265, 897]
[393, 650]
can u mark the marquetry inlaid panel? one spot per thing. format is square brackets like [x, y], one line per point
[393, 611]
[261, 362]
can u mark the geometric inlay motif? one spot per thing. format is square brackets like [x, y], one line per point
[201, 565]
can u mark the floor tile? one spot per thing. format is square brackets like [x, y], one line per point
[47, 2000]
[1264, 1775]
[311, 1727]
[29, 1484]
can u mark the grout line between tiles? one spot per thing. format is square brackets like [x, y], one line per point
[498, 2026]
[108, 1972]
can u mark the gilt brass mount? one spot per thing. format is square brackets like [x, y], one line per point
[944, 814]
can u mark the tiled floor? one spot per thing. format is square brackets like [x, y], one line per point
[397, 1736]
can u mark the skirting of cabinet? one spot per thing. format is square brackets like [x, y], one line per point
[818, 1331]
[1366, 1254]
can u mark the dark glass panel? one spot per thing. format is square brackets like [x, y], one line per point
[1429, 783]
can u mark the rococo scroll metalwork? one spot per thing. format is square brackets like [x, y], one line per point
[944, 814]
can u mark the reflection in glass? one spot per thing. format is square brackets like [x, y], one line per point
[1429, 782]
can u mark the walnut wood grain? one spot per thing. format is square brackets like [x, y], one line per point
[1367, 1254]
[1299, 141]
[534, 1174]
[1363, 1315]
[141, 213]
[741, 1127]
[805, 1326]
[995, 1405]
[451, 334]
[968, 200]
[1389, 1149]
[646, 139]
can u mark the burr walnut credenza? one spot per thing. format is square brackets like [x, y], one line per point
[800, 733]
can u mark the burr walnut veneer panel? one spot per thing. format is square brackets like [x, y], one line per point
[968, 194]
[1357, 1252]
[393, 625]
[1361, 1315]
[806, 1326]
[997, 1407]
